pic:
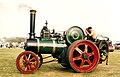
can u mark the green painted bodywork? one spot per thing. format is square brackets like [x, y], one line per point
[45, 46]
[74, 33]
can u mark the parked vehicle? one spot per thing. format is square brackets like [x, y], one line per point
[117, 46]
[111, 46]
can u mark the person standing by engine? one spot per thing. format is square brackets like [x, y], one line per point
[91, 35]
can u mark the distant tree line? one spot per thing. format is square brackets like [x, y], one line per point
[14, 39]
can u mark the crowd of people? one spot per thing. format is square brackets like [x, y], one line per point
[12, 45]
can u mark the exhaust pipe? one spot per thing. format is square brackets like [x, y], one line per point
[32, 24]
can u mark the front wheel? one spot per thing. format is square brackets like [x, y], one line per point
[27, 62]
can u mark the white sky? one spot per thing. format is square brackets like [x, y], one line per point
[102, 15]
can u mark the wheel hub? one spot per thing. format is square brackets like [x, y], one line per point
[75, 35]
[85, 56]
[27, 62]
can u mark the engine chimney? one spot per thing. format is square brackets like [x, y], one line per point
[32, 24]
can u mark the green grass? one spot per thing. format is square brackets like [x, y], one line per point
[8, 67]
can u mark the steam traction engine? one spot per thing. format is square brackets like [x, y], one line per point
[70, 49]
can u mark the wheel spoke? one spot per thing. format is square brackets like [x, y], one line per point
[89, 62]
[33, 63]
[25, 57]
[32, 59]
[86, 48]
[28, 67]
[82, 63]
[25, 68]
[91, 54]
[22, 66]
[29, 56]
[79, 50]
[22, 61]
[77, 58]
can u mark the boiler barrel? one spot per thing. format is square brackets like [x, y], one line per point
[44, 46]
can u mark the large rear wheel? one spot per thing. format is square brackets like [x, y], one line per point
[83, 56]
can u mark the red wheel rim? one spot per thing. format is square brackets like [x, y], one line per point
[83, 56]
[27, 62]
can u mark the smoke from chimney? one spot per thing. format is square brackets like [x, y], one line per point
[25, 6]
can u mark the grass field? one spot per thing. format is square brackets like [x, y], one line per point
[8, 67]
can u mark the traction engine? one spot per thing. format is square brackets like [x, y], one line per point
[70, 49]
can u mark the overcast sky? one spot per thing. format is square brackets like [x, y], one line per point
[102, 15]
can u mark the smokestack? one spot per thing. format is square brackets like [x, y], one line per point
[32, 24]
